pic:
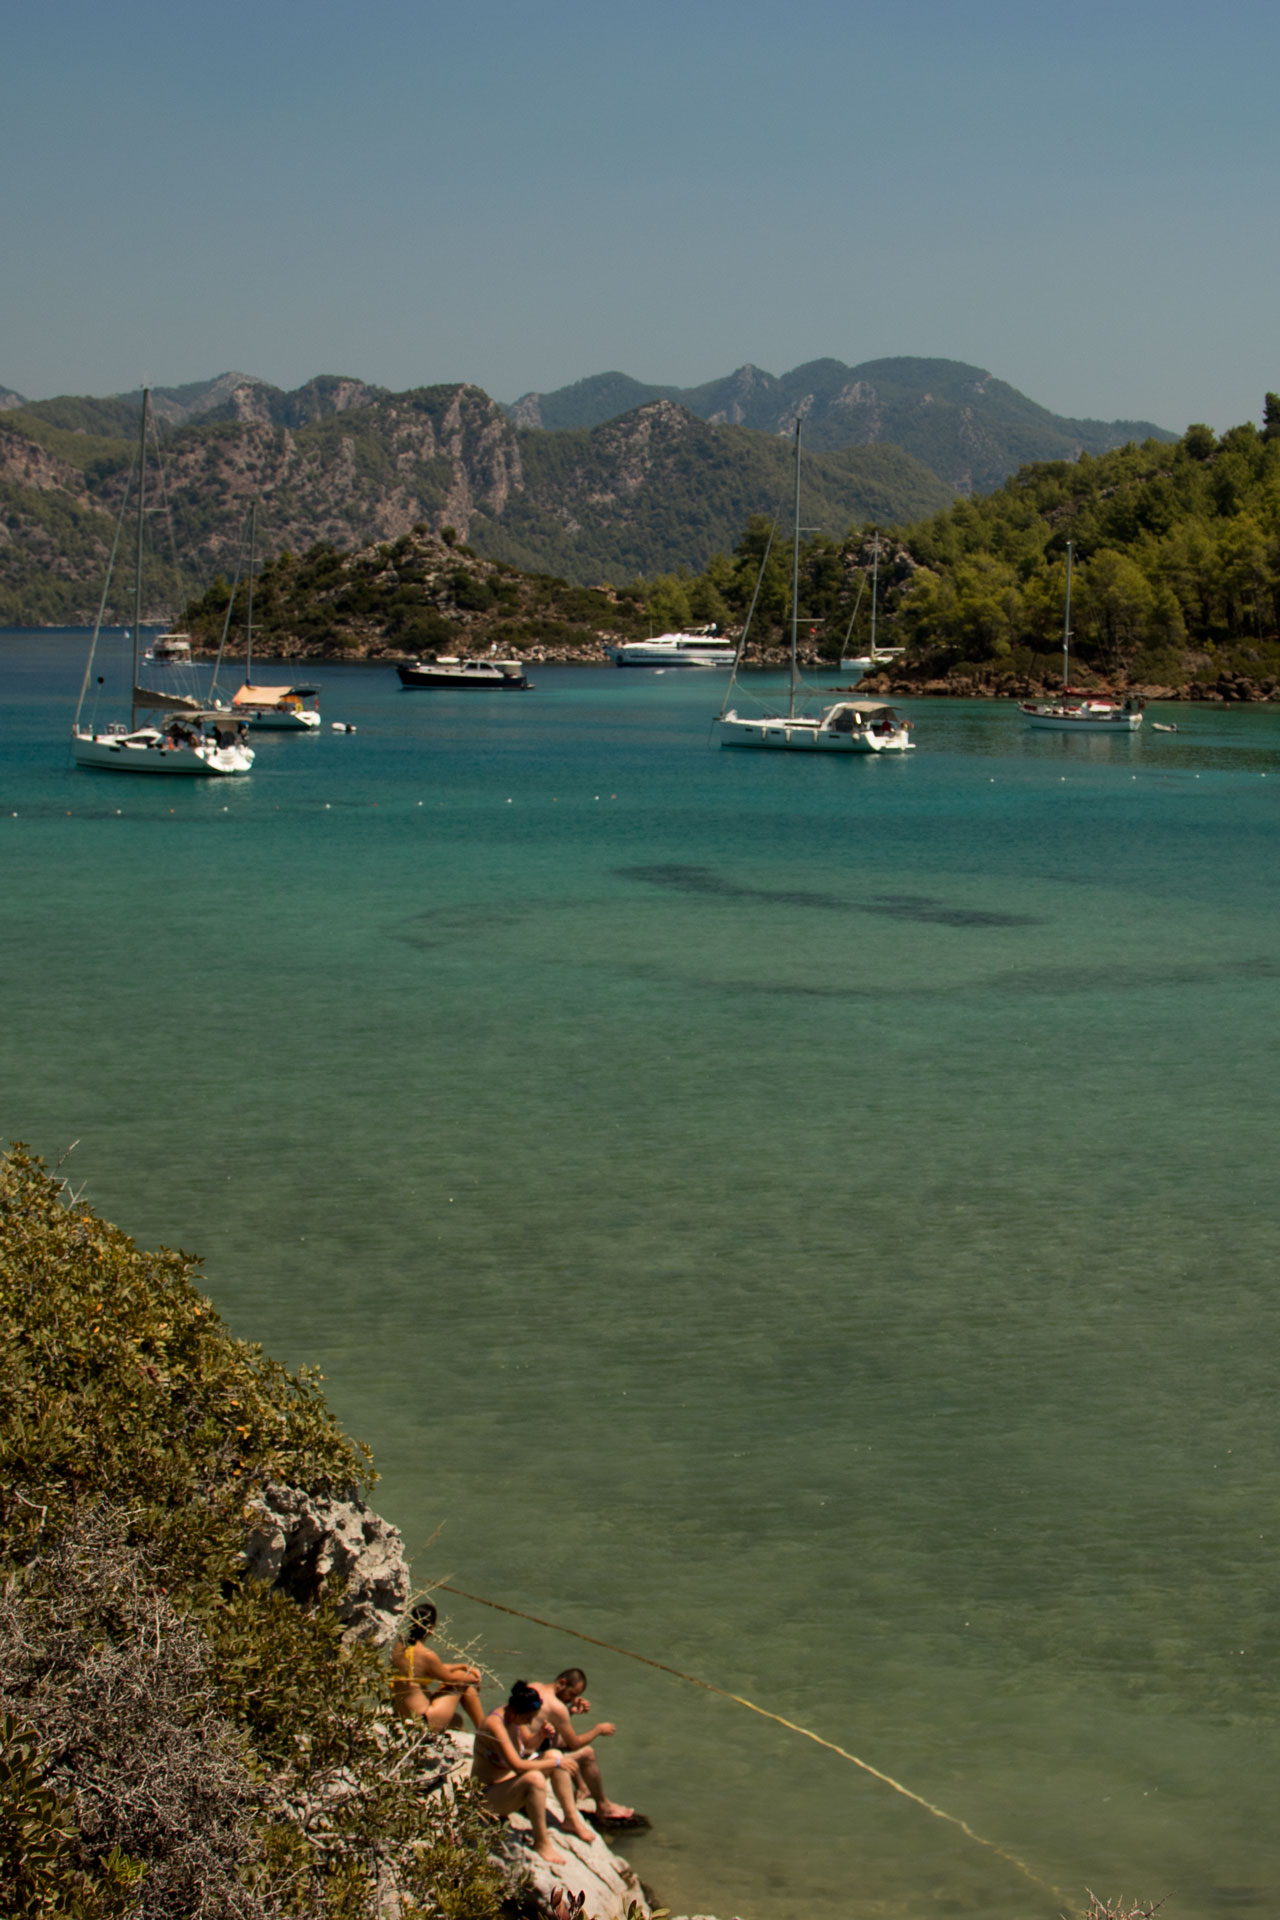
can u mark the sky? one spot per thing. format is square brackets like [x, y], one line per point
[1082, 200]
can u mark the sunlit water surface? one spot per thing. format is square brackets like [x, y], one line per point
[810, 1221]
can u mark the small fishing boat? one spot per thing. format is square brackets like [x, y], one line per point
[448, 670]
[699, 648]
[1163, 726]
[1076, 710]
[846, 726]
[188, 736]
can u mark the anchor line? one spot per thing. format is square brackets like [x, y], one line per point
[939, 1813]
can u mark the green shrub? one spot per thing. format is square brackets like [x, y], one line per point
[208, 1745]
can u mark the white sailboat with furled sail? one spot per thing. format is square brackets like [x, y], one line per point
[1078, 710]
[183, 735]
[860, 663]
[846, 726]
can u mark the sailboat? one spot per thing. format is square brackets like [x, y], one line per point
[847, 726]
[283, 709]
[860, 663]
[1078, 711]
[190, 738]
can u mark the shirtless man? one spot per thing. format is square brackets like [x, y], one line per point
[514, 1776]
[566, 1696]
[413, 1663]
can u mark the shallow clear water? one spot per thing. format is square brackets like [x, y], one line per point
[812, 1222]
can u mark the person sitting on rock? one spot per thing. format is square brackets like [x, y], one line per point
[414, 1664]
[514, 1776]
[566, 1696]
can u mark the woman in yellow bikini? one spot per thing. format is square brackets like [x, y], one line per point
[425, 1687]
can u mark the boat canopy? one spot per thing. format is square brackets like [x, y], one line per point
[251, 696]
[865, 709]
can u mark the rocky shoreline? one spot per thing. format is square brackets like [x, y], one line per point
[301, 1544]
[1223, 689]
[1227, 689]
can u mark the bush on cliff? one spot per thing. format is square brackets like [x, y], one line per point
[174, 1738]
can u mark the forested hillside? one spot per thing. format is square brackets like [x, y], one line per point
[1176, 575]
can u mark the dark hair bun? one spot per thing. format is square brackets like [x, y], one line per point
[523, 1698]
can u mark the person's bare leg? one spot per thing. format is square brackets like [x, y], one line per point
[526, 1793]
[443, 1710]
[536, 1808]
[563, 1782]
[589, 1768]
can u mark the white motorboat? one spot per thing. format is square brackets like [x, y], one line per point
[1075, 709]
[448, 670]
[169, 650]
[191, 738]
[845, 726]
[699, 648]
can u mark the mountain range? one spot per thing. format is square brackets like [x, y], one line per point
[605, 481]
[972, 429]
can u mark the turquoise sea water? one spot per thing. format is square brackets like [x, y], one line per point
[810, 1221]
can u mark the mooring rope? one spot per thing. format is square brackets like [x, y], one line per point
[939, 1813]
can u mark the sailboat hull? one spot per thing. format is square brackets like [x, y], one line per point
[1082, 719]
[131, 753]
[801, 736]
[279, 719]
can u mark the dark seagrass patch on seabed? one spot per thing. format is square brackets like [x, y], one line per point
[1005, 985]
[896, 906]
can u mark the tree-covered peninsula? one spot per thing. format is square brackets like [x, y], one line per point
[1175, 578]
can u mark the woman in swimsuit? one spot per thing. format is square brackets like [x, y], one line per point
[515, 1780]
[413, 1665]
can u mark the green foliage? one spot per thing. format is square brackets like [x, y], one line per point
[40, 1854]
[418, 594]
[1177, 557]
[134, 1433]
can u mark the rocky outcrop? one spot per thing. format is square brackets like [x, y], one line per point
[593, 1881]
[307, 1544]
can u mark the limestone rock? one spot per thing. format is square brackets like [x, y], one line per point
[607, 1883]
[308, 1545]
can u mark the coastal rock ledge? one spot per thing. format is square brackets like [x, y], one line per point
[307, 1544]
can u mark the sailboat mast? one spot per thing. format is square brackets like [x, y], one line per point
[137, 584]
[795, 582]
[875, 589]
[248, 651]
[1066, 624]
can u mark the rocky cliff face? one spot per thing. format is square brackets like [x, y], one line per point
[306, 1545]
[657, 490]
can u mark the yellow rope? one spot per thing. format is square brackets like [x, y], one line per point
[693, 1680]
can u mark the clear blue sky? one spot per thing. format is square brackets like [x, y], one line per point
[1082, 199]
